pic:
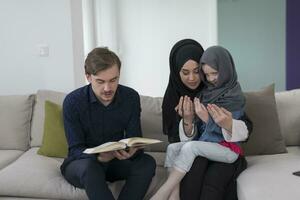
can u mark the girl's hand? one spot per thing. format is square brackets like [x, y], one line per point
[221, 116]
[200, 110]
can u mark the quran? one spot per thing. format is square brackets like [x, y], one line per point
[122, 144]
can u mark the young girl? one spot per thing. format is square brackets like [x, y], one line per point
[221, 89]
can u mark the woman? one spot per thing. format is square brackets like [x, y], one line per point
[207, 179]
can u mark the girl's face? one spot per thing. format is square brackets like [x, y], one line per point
[211, 74]
[189, 74]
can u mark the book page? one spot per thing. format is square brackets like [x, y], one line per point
[139, 141]
[106, 147]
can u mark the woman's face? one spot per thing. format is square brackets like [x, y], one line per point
[189, 74]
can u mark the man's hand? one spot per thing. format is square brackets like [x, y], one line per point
[221, 116]
[123, 155]
[200, 110]
[105, 156]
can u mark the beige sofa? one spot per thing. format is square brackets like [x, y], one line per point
[26, 175]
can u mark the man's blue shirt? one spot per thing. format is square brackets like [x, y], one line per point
[88, 123]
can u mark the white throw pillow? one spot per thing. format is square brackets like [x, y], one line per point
[288, 107]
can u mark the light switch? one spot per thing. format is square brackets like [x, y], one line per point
[43, 50]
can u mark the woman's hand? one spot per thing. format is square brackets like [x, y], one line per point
[221, 116]
[178, 108]
[200, 110]
[188, 110]
[185, 109]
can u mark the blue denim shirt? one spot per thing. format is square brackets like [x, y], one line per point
[211, 132]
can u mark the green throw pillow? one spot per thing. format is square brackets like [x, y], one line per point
[54, 140]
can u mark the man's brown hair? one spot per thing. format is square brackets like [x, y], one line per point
[99, 59]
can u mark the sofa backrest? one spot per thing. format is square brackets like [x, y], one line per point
[15, 116]
[151, 121]
[288, 107]
[37, 128]
[150, 118]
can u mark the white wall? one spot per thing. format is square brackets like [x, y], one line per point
[24, 25]
[142, 33]
[147, 30]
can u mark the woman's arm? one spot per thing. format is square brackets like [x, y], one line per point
[186, 135]
[185, 109]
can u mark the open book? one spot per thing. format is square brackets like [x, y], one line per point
[122, 144]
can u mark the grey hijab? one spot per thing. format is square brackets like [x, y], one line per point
[227, 93]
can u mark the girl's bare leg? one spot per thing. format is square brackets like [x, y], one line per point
[166, 189]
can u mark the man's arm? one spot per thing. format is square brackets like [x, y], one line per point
[74, 132]
[133, 128]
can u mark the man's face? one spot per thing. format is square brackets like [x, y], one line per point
[105, 84]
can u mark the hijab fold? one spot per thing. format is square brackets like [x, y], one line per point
[227, 93]
[181, 52]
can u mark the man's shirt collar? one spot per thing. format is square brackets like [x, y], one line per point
[94, 99]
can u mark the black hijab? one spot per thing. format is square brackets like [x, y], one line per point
[181, 52]
[227, 93]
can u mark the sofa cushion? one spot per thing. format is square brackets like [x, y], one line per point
[266, 136]
[37, 128]
[8, 156]
[54, 140]
[44, 175]
[159, 158]
[288, 106]
[151, 121]
[20, 198]
[15, 116]
[270, 177]
[46, 180]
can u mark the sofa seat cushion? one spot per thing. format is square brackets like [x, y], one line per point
[36, 176]
[270, 177]
[159, 158]
[20, 198]
[33, 175]
[8, 156]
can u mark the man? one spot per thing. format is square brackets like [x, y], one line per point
[100, 112]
